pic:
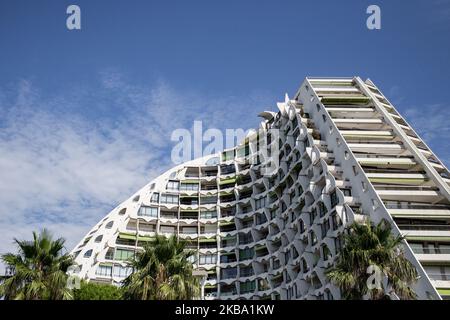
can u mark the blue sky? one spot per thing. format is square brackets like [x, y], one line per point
[86, 116]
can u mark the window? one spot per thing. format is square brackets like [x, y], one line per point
[246, 271]
[169, 198]
[302, 226]
[312, 216]
[322, 209]
[122, 212]
[228, 155]
[325, 226]
[122, 272]
[146, 227]
[122, 254]
[167, 229]
[208, 214]
[227, 169]
[208, 200]
[227, 273]
[148, 211]
[245, 238]
[104, 271]
[313, 238]
[287, 256]
[248, 286]
[334, 199]
[337, 222]
[208, 259]
[109, 254]
[88, 253]
[260, 218]
[192, 259]
[347, 192]
[109, 225]
[189, 187]
[260, 203]
[172, 185]
[338, 244]
[154, 198]
[99, 238]
[243, 151]
[326, 253]
[189, 230]
[438, 272]
[304, 265]
[246, 254]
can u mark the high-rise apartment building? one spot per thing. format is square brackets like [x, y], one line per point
[343, 154]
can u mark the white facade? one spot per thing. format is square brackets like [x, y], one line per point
[344, 154]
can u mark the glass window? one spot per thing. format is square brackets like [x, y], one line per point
[208, 214]
[334, 199]
[208, 200]
[227, 273]
[167, 229]
[104, 271]
[172, 185]
[148, 211]
[192, 259]
[88, 253]
[189, 187]
[109, 254]
[169, 198]
[417, 247]
[122, 254]
[208, 259]
[189, 230]
[155, 197]
[247, 286]
[260, 203]
[122, 272]
[246, 253]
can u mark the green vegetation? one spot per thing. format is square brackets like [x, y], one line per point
[368, 245]
[162, 272]
[39, 270]
[97, 291]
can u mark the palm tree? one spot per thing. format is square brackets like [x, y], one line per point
[162, 271]
[39, 269]
[367, 245]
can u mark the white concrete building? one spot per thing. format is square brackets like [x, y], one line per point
[344, 154]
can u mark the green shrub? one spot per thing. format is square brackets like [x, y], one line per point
[97, 291]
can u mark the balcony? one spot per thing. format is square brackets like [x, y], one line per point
[227, 227]
[345, 99]
[228, 273]
[229, 257]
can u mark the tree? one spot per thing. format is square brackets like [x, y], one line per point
[97, 291]
[368, 245]
[40, 268]
[162, 271]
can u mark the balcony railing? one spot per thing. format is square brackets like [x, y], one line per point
[428, 227]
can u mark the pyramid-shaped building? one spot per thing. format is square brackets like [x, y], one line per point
[338, 152]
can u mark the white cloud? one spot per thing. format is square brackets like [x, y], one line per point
[68, 158]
